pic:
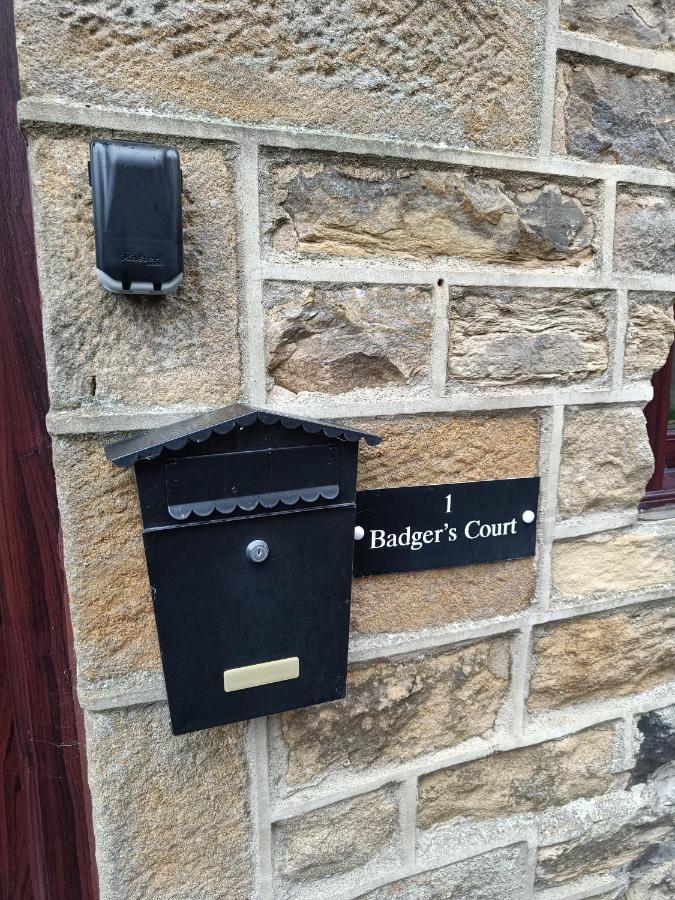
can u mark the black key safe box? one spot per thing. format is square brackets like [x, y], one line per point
[138, 228]
[248, 525]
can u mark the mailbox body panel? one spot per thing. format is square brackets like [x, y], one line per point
[217, 610]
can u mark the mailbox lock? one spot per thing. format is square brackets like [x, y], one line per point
[257, 551]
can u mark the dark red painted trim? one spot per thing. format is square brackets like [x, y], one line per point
[664, 497]
[661, 488]
[45, 835]
[670, 449]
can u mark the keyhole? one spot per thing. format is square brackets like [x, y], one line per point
[257, 551]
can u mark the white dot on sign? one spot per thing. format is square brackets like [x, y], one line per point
[528, 516]
[359, 533]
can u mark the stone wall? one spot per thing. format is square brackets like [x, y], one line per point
[449, 223]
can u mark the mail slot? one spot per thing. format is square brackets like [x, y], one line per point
[248, 527]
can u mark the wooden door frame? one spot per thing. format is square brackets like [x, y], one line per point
[46, 843]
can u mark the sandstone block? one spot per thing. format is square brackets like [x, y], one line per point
[643, 23]
[408, 601]
[644, 238]
[614, 562]
[109, 349]
[339, 838]
[606, 459]
[336, 338]
[609, 655]
[171, 813]
[323, 205]
[520, 336]
[434, 450]
[111, 609]
[397, 709]
[497, 875]
[650, 332]
[590, 856]
[530, 779]
[377, 68]
[610, 113]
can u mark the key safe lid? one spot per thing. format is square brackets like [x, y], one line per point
[248, 527]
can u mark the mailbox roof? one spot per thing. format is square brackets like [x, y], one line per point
[200, 428]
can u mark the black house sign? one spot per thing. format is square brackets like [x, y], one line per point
[248, 525]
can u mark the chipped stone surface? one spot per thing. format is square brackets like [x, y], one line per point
[610, 113]
[614, 562]
[652, 875]
[650, 332]
[521, 336]
[108, 349]
[321, 205]
[464, 73]
[606, 459]
[582, 856]
[644, 237]
[497, 875]
[610, 655]
[656, 743]
[643, 23]
[170, 812]
[435, 450]
[110, 605]
[397, 709]
[335, 338]
[529, 779]
[338, 838]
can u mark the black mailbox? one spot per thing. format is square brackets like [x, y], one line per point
[248, 525]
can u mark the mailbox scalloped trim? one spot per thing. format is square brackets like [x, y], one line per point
[200, 428]
[249, 503]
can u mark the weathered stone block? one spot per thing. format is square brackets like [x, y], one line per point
[649, 334]
[105, 349]
[339, 838]
[646, 23]
[606, 459]
[335, 338]
[610, 113]
[398, 709]
[530, 779]
[601, 656]
[644, 237]
[434, 450]
[323, 205]
[497, 875]
[521, 336]
[389, 68]
[590, 856]
[111, 609]
[170, 813]
[614, 562]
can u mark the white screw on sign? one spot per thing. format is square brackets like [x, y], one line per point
[528, 516]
